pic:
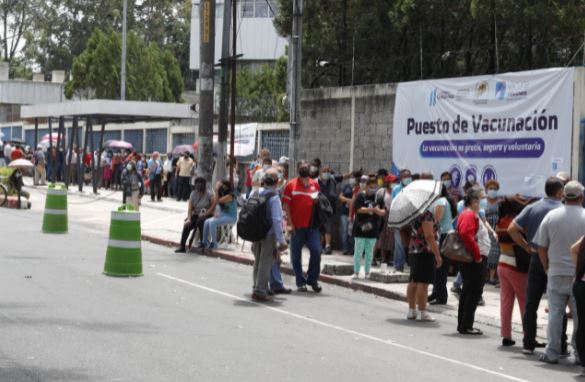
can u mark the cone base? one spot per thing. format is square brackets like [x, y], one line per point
[121, 274]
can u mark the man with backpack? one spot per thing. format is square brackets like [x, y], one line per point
[264, 209]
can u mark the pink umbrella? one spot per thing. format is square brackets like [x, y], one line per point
[54, 137]
[21, 163]
[115, 144]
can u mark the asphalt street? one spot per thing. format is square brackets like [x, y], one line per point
[190, 318]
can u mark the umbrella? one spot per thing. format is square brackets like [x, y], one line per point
[180, 150]
[21, 163]
[412, 201]
[115, 144]
[54, 137]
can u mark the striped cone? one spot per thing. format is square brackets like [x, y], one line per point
[124, 253]
[55, 217]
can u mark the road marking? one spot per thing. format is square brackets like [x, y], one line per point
[348, 331]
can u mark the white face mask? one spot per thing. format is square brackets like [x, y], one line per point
[129, 167]
[352, 182]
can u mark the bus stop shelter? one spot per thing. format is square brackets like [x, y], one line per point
[98, 112]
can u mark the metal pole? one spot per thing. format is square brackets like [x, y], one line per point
[52, 164]
[295, 83]
[71, 140]
[233, 92]
[37, 133]
[101, 149]
[94, 173]
[421, 52]
[123, 67]
[81, 158]
[583, 46]
[223, 101]
[206, 80]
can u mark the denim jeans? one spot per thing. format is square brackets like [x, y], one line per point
[399, 254]
[276, 277]
[560, 292]
[210, 227]
[458, 282]
[343, 233]
[312, 239]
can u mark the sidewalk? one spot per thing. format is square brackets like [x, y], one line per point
[162, 224]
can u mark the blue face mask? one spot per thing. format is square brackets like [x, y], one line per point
[492, 194]
[447, 183]
[406, 181]
[482, 214]
[483, 203]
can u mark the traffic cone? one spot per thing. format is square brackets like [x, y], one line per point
[55, 217]
[124, 253]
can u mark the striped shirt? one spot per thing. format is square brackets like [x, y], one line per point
[301, 198]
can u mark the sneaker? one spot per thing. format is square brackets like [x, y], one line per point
[302, 288]
[180, 250]
[367, 276]
[411, 314]
[481, 301]
[539, 344]
[282, 291]
[384, 268]
[355, 276]
[456, 289]
[508, 342]
[527, 351]
[328, 250]
[544, 358]
[261, 298]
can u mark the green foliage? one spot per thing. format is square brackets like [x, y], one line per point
[152, 74]
[381, 40]
[260, 93]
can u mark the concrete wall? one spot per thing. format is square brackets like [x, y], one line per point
[330, 115]
[30, 93]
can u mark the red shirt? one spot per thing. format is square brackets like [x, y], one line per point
[300, 198]
[467, 226]
[16, 154]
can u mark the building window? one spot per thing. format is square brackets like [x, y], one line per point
[135, 137]
[183, 139]
[248, 8]
[258, 8]
[156, 140]
[276, 141]
[261, 8]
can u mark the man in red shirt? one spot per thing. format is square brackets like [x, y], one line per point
[16, 153]
[299, 196]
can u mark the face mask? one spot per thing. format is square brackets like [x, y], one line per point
[362, 186]
[129, 167]
[406, 181]
[483, 203]
[482, 214]
[314, 169]
[380, 182]
[280, 176]
[325, 176]
[265, 167]
[304, 172]
[447, 183]
[352, 182]
[492, 194]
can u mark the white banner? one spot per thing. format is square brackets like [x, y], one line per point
[513, 127]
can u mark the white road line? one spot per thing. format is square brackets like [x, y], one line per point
[348, 331]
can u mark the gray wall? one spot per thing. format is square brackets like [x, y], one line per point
[326, 125]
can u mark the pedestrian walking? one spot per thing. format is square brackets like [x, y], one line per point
[558, 231]
[198, 211]
[385, 241]
[133, 186]
[492, 216]
[266, 249]
[471, 273]
[523, 231]
[366, 227]
[40, 174]
[328, 186]
[345, 199]
[299, 197]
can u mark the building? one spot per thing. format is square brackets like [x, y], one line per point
[257, 39]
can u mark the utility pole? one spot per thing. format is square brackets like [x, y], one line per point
[233, 91]
[123, 69]
[583, 48]
[295, 83]
[223, 101]
[206, 74]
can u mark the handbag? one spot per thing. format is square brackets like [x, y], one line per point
[454, 249]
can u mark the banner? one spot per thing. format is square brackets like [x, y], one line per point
[513, 127]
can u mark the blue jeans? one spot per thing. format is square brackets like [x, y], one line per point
[276, 277]
[210, 227]
[312, 239]
[458, 282]
[344, 234]
[559, 290]
[399, 254]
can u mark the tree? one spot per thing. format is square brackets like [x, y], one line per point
[260, 93]
[152, 74]
[17, 19]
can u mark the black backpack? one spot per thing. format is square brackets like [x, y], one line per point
[254, 222]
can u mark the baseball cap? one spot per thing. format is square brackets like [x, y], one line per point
[364, 179]
[283, 160]
[573, 190]
[563, 176]
[390, 178]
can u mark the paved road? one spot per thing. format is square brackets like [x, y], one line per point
[190, 319]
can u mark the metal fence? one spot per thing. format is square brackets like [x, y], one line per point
[276, 141]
